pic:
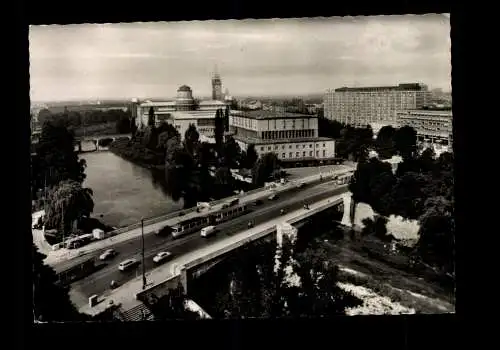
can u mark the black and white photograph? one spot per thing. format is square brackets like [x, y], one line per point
[242, 169]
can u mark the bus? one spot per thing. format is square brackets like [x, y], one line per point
[344, 179]
[191, 225]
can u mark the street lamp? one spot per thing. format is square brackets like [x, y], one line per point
[143, 266]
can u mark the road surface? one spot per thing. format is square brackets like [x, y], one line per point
[98, 282]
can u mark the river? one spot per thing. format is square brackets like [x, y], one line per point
[124, 192]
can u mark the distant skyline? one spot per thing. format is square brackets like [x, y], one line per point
[254, 57]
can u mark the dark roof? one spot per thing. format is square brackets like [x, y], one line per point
[400, 87]
[261, 114]
[184, 88]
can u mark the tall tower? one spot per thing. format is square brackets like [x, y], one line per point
[216, 86]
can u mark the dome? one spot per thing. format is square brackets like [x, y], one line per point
[184, 88]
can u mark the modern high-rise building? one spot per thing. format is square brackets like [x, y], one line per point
[433, 127]
[375, 106]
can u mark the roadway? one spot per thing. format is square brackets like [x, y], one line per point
[99, 281]
[74, 257]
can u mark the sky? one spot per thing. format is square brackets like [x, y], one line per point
[254, 57]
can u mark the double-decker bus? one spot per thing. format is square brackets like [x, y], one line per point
[191, 225]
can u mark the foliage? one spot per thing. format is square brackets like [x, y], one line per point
[151, 117]
[264, 168]
[405, 142]
[376, 228]
[354, 143]
[219, 130]
[56, 159]
[191, 139]
[68, 203]
[329, 128]
[249, 158]
[51, 301]
[257, 286]
[74, 119]
[384, 144]
[422, 189]
[231, 154]
[124, 125]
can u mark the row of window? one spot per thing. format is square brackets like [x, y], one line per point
[276, 147]
[287, 134]
[297, 154]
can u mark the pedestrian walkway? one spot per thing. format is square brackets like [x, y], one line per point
[63, 254]
[125, 294]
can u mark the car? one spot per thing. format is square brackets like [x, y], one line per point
[129, 263]
[301, 185]
[182, 213]
[207, 231]
[272, 197]
[161, 257]
[108, 254]
[258, 202]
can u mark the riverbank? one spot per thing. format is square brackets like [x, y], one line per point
[135, 152]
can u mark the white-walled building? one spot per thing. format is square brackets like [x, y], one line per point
[433, 127]
[182, 112]
[291, 136]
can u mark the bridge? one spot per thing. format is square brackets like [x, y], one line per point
[186, 267]
[96, 141]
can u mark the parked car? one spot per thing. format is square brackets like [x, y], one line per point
[259, 202]
[273, 197]
[182, 213]
[127, 264]
[161, 257]
[301, 185]
[108, 254]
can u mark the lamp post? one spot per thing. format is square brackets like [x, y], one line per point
[143, 266]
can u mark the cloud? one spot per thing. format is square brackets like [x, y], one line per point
[281, 55]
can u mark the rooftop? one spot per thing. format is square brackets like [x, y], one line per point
[211, 102]
[158, 104]
[258, 141]
[193, 115]
[400, 87]
[184, 88]
[260, 114]
[427, 112]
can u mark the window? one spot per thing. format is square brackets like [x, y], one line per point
[317, 153]
[283, 147]
[276, 147]
[283, 155]
[290, 154]
[290, 146]
[317, 145]
[310, 145]
[297, 154]
[310, 153]
[303, 154]
[262, 148]
[324, 145]
[324, 153]
[303, 146]
[269, 148]
[297, 146]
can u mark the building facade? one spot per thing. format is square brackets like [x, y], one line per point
[433, 127]
[375, 106]
[183, 111]
[292, 137]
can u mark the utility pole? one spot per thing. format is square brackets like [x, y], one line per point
[143, 266]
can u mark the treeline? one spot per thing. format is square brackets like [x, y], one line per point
[421, 189]
[355, 143]
[122, 120]
[188, 164]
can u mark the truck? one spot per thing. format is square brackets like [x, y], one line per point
[98, 233]
[231, 203]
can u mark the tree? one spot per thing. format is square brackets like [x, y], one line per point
[251, 157]
[56, 156]
[224, 182]
[68, 203]
[376, 228]
[384, 144]
[405, 142]
[51, 301]
[123, 125]
[232, 153]
[264, 167]
[151, 117]
[219, 130]
[437, 234]
[191, 139]
[150, 138]
[329, 128]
